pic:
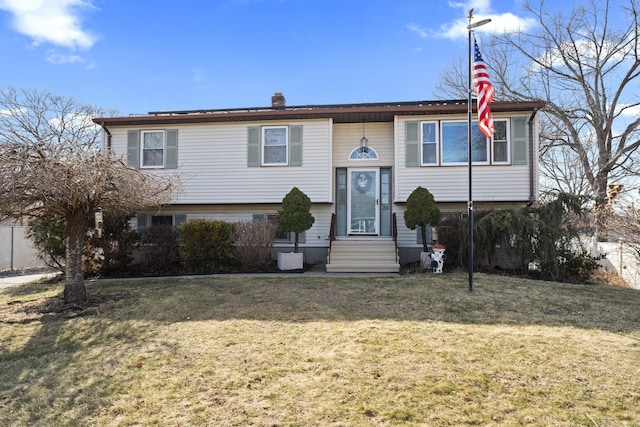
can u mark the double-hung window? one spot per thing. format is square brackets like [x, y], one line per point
[429, 142]
[454, 143]
[152, 149]
[501, 154]
[275, 145]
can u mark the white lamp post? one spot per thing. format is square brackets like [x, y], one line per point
[470, 28]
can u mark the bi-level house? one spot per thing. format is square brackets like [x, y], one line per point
[357, 162]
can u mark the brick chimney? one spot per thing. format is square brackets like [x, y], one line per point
[277, 100]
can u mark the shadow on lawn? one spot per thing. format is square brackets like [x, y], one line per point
[299, 298]
[495, 300]
[43, 372]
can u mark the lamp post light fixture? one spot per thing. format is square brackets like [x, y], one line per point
[470, 28]
[363, 140]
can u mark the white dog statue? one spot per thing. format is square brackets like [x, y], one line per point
[437, 258]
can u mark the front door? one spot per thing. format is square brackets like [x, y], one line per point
[363, 196]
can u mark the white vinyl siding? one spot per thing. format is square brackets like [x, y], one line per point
[316, 236]
[346, 137]
[213, 164]
[491, 183]
[407, 238]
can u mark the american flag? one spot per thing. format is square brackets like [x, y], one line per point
[486, 92]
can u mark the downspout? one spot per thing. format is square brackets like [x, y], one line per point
[531, 122]
[106, 130]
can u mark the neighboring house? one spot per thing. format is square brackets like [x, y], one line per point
[357, 162]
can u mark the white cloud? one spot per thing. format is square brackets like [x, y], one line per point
[417, 30]
[629, 110]
[199, 78]
[62, 59]
[73, 121]
[13, 111]
[51, 21]
[500, 23]
[58, 59]
[457, 29]
[584, 52]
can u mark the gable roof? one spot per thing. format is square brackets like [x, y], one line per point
[340, 113]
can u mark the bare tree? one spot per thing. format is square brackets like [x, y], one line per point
[454, 81]
[584, 65]
[623, 221]
[50, 163]
[624, 225]
[560, 168]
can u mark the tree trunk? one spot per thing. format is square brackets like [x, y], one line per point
[600, 192]
[423, 234]
[74, 289]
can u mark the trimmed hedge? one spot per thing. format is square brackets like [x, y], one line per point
[207, 246]
[159, 250]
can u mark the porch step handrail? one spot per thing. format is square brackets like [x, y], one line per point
[332, 235]
[394, 231]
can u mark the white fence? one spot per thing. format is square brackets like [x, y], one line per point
[16, 250]
[621, 258]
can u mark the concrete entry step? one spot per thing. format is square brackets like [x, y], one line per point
[363, 256]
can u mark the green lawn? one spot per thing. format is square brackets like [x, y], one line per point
[320, 351]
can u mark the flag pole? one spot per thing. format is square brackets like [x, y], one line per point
[470, 28]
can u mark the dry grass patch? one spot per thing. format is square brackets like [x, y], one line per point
[300, 351]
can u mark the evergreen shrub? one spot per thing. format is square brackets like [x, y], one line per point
[207, 246]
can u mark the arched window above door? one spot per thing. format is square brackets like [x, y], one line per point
[363, 153]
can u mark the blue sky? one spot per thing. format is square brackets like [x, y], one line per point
[137, 56]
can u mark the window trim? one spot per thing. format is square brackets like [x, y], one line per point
[142, 148]
[435, 142]
[263, 133]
